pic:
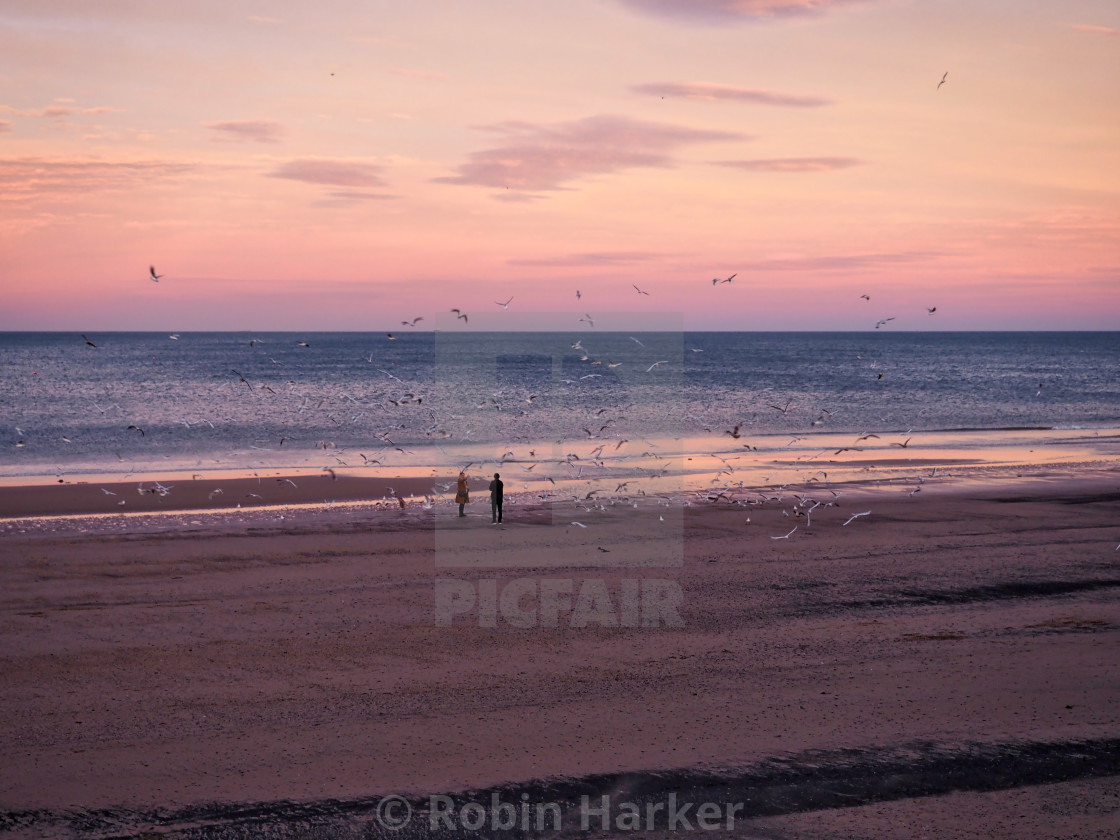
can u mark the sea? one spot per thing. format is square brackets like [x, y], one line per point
[132, 402]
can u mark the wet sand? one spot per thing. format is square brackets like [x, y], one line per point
[945, 666]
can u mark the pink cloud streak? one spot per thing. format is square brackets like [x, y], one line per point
[723, 10]
[334, 173]
[546, 157]
[802, 164]
[711, 92]
[261, 131]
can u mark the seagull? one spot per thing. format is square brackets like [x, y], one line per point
[580, 524]
[931, 309]
[903, 445]
[243, 379]
[462, 315]
[639, 291]
[137, 428]
[174, 336]
[590, 321]
[411, 323]
[939, 84]
[858, 515]
[506, 304]
[636, 341]
[578, 295]
[152, 274]
[302, 344]
[883, 321]
[390, 336]
[733, 432]
[865, 297]
[655, 364]
[780, 408]
[88, 342]
[785, 536]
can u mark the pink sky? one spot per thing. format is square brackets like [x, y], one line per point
[348, 164]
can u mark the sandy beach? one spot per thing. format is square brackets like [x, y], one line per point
[946, 663]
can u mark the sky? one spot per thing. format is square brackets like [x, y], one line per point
[350, 164]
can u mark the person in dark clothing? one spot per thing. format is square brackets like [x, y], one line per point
[496, 499]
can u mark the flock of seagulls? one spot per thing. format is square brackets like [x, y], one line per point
[575, 463]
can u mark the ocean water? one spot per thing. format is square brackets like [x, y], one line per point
[246, 400]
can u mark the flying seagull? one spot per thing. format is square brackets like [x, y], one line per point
[639, 291]
[865, 297]
[939, 84]
[243, 379]
[152, 273]
[858, 515]
[412, 323]
[931, 309]
[883, 321]
[506, 304]
[88, 342]
[463, 315]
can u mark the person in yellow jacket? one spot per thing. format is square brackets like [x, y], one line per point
[461, 494]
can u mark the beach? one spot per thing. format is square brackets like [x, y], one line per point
[945, 665]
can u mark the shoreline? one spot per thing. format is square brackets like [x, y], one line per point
[667, 468]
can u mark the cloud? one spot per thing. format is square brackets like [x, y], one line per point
[333, 173]
[834, 262]
[512, 197]
[56, 111]
[714, 11]
[1090, 29]
[30, 177]
[5, 126]
[602, 258]
[261, 131]
[711, 92]
[545, 157]
[345, 198]
[804, 164]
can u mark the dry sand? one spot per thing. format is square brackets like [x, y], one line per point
[948, 666]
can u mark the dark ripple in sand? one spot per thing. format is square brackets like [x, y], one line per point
[809, 781]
